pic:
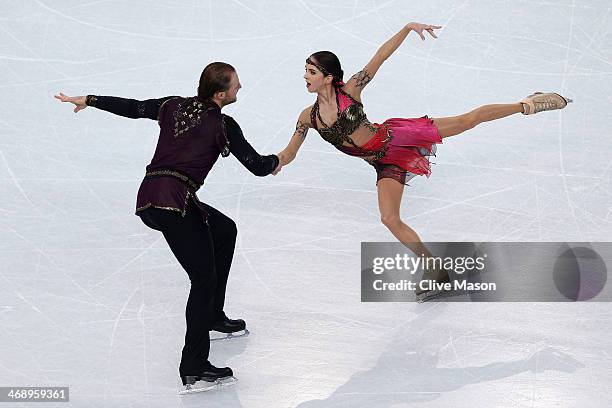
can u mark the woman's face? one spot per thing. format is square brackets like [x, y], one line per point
[314, 78]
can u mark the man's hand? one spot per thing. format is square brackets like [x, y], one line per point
[78, 101]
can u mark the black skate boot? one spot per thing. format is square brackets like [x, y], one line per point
[213, 377]
[230, 328]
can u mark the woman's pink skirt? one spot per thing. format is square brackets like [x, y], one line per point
[404, 147]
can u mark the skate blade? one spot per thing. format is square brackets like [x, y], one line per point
[567, 100]
[226, 336]
[436, 294]
[427, 296]
[203, 386]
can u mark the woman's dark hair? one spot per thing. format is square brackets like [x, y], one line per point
[330, 63]
[215, 78]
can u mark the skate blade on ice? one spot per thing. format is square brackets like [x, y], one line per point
[224, 336]
[427, 296]
[203, 386]
[437, 294]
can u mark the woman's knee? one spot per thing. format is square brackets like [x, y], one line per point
[391, 221]
[469, 120]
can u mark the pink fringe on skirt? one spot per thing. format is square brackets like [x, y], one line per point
[407, 145]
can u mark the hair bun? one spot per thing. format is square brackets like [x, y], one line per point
[328, 63]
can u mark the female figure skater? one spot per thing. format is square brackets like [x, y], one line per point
[193, 132]
[398, 148]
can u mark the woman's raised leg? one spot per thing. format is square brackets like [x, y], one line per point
[454, 125]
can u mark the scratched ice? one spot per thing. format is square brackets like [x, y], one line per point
[92, 299]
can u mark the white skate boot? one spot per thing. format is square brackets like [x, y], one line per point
[540, 102]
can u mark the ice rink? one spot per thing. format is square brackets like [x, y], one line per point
[92, 299]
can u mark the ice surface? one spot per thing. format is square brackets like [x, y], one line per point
[92, 299]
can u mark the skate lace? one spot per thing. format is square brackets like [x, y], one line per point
[546, 104]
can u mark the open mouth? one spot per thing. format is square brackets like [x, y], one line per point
[307, 84]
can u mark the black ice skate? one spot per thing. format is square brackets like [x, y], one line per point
[230, 328]
[209, 379]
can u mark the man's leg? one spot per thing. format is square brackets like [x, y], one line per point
[224, 231]
[190, 240]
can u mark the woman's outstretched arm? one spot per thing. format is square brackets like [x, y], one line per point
[363, 77]
[301, 129]
[129, 108]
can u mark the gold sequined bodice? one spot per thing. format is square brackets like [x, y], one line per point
[349, 120]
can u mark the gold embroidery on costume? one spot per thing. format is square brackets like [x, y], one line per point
[148, 205]
[187, 116]
[176, 174]
[347, 123]
[182, 211]
[172, 173]
[377, 155]
[225, 151]
[91, 100]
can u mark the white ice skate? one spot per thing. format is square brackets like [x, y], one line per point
[540, 102]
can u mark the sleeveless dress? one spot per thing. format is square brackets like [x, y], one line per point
[400, 148]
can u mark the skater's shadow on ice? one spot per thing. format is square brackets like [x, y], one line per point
[407, 371]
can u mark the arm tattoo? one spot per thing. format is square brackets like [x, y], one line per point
[362, 78]
[301, 129]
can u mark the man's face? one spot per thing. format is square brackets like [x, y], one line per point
[230, 94]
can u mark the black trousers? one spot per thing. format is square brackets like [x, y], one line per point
[205, 251]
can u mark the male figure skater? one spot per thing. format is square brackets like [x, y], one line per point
[193, 133]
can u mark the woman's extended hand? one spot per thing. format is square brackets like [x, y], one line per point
[282, 161]
[277, 169]
[419, 28]
[78, 101]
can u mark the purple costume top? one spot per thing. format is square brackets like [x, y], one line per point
[193, 133]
